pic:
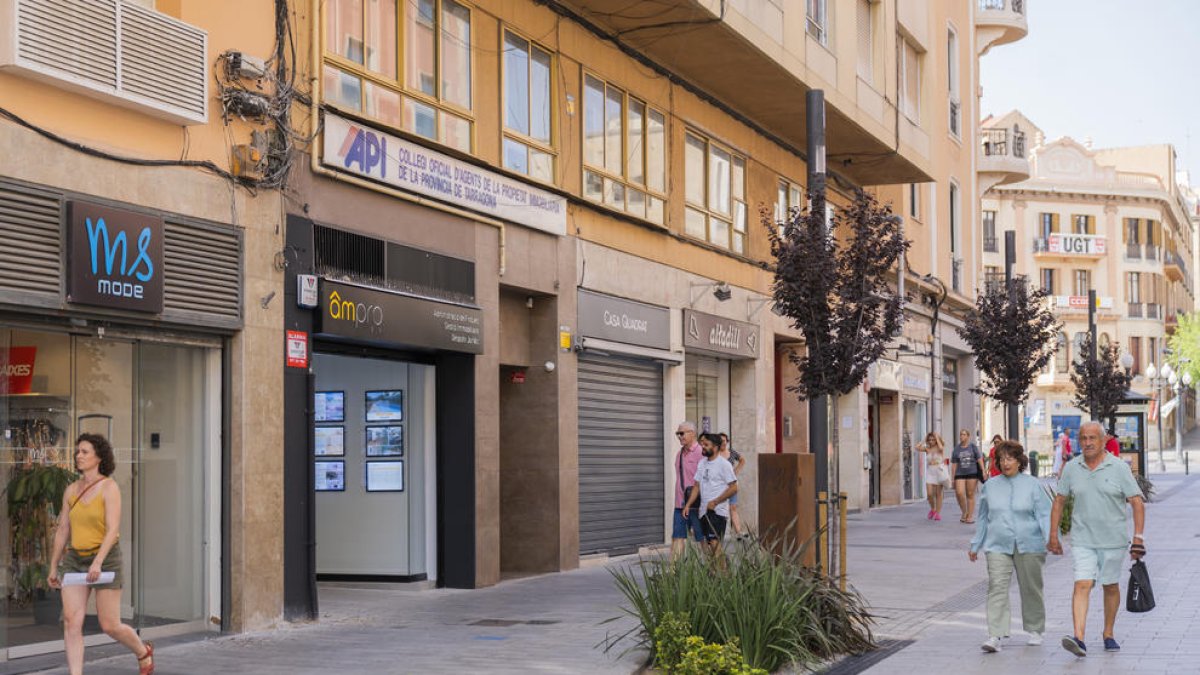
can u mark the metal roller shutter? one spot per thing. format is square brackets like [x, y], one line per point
[621, 469]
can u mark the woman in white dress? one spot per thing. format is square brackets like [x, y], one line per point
[937, 473]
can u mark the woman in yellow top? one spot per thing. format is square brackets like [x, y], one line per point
[90, 505]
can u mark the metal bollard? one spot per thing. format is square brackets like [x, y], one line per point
[822, 535]
[842, 504]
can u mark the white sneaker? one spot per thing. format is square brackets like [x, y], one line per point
[991, 645]
[1035, 640]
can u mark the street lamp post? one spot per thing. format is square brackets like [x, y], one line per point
[1157, 378]
[1179, 383]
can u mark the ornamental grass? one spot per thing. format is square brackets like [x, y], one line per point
[775, 609]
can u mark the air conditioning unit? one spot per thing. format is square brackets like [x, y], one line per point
[113, 50]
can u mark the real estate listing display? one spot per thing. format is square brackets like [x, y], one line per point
[385, 405]
[329, 406]
[385, 441]
[385, 476]
[331, 475]
[330, 442]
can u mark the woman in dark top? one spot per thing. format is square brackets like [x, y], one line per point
[968, 471]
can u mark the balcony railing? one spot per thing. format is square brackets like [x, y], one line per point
[993, 281]
[1041, 245]
[1017, 6]
[1135, 310]
[1003, 142]
[1151, 252]
[990, 245]
[955, 116]
[1152, 310]
[1133, 251]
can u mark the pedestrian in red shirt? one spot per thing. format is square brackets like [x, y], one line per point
[1113, 445]
[993, 466]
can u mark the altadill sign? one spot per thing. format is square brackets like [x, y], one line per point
[718, 335]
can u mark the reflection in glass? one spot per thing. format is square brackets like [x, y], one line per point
[420, 55]
[381, 37]
[456, 54]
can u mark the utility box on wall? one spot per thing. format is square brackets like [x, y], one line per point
[787, 499]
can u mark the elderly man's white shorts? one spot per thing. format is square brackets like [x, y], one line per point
[1098, 564]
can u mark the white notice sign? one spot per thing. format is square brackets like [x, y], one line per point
[354, 148]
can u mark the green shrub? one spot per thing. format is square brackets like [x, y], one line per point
[777, 610]
[680, 653]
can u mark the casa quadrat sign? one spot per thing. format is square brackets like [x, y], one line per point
[393, 161]
[611, 318]
[1077, 244]
[372, 315]
[114, 258]
[718, 335]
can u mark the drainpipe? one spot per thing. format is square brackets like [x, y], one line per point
[317, 169]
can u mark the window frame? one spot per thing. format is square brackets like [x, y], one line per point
[1089, 223]
[914, 201]
[788, 188]
[1047, 274]
[734, 200]
[954, 121]
[865, 67]
[623, 179]
[398, 85]
[1086, 277]
[516, 136]
[817, 27]
[918, 57]
[956, 234]
[1133, 288]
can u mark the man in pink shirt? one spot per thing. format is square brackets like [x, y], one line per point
[684, 467]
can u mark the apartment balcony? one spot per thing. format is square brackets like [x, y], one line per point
[1174, 267]
[1071, 246]
[999, 22]
[1153, 310]
[1135, 310]
[745, 60]
[990, 244]
[1003, 159]
[993, 281]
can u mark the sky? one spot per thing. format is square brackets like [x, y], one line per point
[1121, 72]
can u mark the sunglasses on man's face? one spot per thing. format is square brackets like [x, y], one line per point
[681, 434]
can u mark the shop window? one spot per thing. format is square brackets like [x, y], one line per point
[715, 192]
[624, 151]
[431, 96]
[528, 129]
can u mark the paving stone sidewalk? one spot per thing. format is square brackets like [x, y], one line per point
[913, 572]
[917, 577]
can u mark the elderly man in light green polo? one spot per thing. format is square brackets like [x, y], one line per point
[1101, 485]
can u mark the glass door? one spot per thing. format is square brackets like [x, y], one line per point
[170, 452]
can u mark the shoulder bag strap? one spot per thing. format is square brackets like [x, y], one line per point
[87, 489]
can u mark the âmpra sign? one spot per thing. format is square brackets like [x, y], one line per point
[372, 315]
[114, 258]
[391, 160]
[611, 318]
[715, 334]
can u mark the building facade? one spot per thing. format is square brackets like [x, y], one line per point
[136, 284]
[1113, 221]
[924, 383]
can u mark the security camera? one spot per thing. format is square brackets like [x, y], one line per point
[722, 292]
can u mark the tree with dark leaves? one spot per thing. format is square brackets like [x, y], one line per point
[837, 292]
[1013, 333]
[1100, 383]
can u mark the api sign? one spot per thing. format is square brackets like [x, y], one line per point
[114, 258]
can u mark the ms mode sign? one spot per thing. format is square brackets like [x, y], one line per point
[115, 258]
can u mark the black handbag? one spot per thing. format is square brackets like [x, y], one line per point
[1139, 597]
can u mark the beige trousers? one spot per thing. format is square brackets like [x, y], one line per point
[1028, 566]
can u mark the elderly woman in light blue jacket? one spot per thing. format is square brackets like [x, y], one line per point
[1012, 529]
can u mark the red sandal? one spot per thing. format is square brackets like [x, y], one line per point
[147, 668]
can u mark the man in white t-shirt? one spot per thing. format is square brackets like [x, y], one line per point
[717, 484]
